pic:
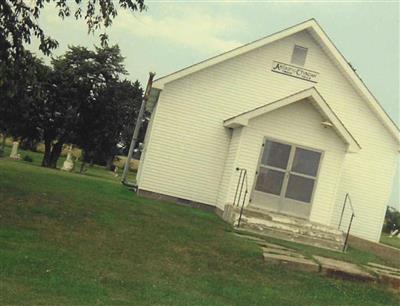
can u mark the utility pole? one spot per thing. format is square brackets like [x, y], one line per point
[137, 129]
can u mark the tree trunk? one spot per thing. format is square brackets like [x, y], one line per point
[3, 144]
[82, 169]
[55, 154]
[47, 151]
[109, 163]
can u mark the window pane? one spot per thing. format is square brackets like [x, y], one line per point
[276, 154]
[306, 162]
[300, 188]
[270, 181]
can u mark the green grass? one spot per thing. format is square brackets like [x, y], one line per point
[352, 254]
[392, 241]
[70, 239]
[93, 171]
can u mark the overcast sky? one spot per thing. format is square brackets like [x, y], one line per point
[170, 36]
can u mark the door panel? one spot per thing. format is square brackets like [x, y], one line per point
[286, 178]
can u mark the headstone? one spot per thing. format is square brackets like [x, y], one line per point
[69, 164]
[394, 233]
[14, 150]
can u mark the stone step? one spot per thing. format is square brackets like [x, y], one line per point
[297, 263]
[290, 220]
[295, 229]
[252, 229]
[342, 269]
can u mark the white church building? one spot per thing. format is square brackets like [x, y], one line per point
[282, 129]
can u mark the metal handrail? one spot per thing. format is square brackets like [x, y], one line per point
[242, 182]
[347, 199]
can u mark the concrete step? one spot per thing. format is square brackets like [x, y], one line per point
[344, 270]
[254, 229]
[289, 220]
[272, 224]
[292, 228]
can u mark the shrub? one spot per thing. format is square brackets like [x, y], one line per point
[27, 158]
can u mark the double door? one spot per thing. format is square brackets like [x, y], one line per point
[286, 178]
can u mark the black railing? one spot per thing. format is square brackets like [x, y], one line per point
[347, 199]
[241, 192]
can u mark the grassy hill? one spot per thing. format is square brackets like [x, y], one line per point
[70, 239]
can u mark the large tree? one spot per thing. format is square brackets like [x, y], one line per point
[88, 103]
[123, 103]
[72, 82]
[113, 102]
[22, 88]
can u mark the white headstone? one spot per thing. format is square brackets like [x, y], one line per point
[394, 233]
[14, 150]
[68, 164]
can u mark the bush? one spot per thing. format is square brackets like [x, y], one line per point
[27, 158]
[392, 220]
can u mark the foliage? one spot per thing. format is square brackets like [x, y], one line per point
[19, 20]
[23, 84]
[73, 101]
[99, 104]
[123, 103]
[82, 99]
[392, 220]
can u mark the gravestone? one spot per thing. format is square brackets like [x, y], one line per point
[68, 164]
[14, 151]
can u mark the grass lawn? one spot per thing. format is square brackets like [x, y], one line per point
[70, 239]
[93, 171]
[392, 241]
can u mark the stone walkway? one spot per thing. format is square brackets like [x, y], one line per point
[276, 254]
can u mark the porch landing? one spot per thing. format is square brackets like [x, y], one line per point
[260, 222]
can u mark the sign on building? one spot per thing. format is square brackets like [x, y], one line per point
[294, 71]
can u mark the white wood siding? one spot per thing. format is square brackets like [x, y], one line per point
[230, 175]
[145, 145]
[188, 147]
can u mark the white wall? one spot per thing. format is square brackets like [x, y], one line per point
[186, 156]
[298, 123]
[230, 174]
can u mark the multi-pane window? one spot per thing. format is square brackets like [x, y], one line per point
[288, 171]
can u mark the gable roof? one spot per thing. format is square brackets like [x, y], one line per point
[317, 101]
[321, 37]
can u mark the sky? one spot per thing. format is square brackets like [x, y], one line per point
[171, 35]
